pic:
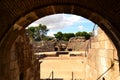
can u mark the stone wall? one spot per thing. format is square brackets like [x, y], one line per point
[49, 46]
[102, 60]
[23, 64]
[43, 46]
[76, 44]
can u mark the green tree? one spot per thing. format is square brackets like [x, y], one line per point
[32, 31]
[42, 29]
[64, 36]
[38, 32]
[84, 34]
[78, 34]
[58, 35]
[67, 36]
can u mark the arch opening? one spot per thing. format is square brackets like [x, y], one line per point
[75, 55]
[103, 23]
[34, 14]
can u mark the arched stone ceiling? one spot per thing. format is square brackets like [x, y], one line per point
[15, 15]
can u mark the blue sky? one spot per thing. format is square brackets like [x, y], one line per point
[66, 23]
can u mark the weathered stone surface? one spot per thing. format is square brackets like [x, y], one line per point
[101, 58]
[77, 44]
[21, 60]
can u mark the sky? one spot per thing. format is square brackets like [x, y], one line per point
[66, 23]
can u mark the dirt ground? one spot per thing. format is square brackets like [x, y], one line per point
[63, 67]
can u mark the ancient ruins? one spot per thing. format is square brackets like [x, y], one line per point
[20, 59]
[96, 57]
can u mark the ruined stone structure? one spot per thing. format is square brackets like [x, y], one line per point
[43, 46]
[74, 44]
[15, 15]
[77, 44]
[100, 61]
[60, 45]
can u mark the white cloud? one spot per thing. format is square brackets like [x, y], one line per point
[57, 21]
[51, 33]
[72, 19]
[80, 28]
[52, 21]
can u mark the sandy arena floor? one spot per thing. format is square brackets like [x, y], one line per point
[63, 67]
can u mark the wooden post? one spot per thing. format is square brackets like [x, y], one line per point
[72, 76]
[52, 75]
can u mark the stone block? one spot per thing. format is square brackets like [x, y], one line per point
[17, 77]
[105, 53]
[116, 68]
[92, 64]
[13, 56]
[96, 45]
[93, 45]
[103, 64]
[106, 62]
[5, 69]
[108, 44]
[118, 78]
[100, 30]
[12, 75]
[16, 64]
[106, 37]
[12, 64]
[115, 54]
[5, 58]
[91, 73]
[101, 45]
[12, 48]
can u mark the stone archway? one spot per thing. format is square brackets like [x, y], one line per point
[16, 15]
